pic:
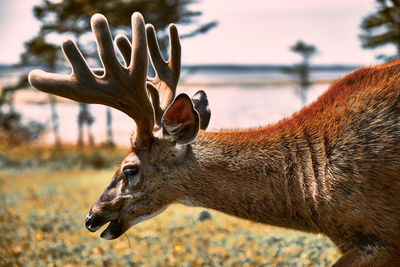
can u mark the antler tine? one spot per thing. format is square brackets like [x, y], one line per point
[125, 47]
[115, 86]
[163, 86]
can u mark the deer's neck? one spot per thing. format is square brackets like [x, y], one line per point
[264, 175]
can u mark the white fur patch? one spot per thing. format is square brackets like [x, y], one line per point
[158, 133]
[189, 202]
[133, 182]
[145, 217]
[172, 128]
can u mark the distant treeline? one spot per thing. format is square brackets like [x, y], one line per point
[262, 67]
[5, 68]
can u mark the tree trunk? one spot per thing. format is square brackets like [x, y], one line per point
[85, 117]
[54, 121]
[110, 141]
[80, 125]
[54, 114]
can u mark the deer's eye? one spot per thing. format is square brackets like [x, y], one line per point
[130, 172]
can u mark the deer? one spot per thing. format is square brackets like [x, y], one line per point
[332, 168]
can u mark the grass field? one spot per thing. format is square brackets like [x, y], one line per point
[42, 224]
[45, 194]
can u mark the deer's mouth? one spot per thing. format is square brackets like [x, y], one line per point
[94, 221]
[114, 230]
[117, 227]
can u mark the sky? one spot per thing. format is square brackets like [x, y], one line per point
[249, 32]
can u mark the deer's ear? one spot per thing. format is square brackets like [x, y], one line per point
[200, 102]
[181, 120]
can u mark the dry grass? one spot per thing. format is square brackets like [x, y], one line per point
[42, 224]
[28, 155]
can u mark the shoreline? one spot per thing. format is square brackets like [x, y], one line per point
[33, 96]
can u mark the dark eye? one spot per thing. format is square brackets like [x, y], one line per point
[130, 171]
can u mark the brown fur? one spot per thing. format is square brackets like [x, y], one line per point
[332, 168]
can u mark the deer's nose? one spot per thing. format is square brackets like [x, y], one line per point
[94, 221]
[88, 222]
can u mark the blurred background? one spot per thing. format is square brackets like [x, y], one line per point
[258, 60]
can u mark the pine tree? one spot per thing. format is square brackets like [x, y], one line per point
[306, 51]
[382, 27]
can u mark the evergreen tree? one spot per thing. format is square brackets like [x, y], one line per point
[382, 27]
[302, 70]
[306, 51]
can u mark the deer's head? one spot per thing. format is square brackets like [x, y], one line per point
[150, 176]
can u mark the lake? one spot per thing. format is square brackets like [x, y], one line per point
[238, 99]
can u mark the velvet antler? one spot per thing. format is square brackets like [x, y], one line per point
[162, 87]
[123, 88]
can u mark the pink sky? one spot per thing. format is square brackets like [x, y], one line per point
[251, 31]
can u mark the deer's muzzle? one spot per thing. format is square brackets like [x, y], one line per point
[93, 223]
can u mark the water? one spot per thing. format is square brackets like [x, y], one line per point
[236, 101]
[259, 78]
[232, 107]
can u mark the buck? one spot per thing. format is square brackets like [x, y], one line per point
[331, 168]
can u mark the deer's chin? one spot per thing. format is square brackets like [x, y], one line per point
[114, 230]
